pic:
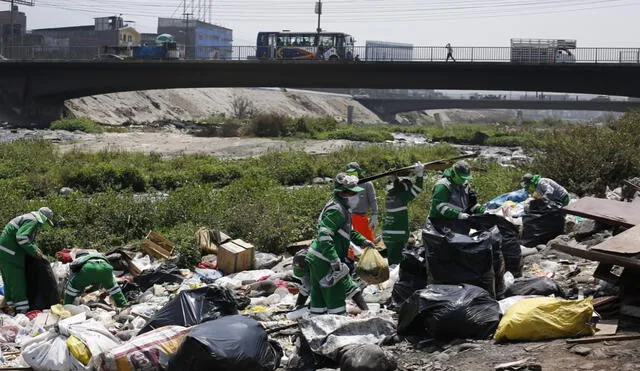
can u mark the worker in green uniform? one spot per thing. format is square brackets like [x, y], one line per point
[17, 240]
[395, 231]
[329, 277]
[450, 205]
[545, 188]
[88, 270]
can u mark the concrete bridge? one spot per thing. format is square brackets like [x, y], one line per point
[389, 107]
[37, 90]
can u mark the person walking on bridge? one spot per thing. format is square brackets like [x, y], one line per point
[395, 231]
[449, 52]
[364, 222]
[18, 240]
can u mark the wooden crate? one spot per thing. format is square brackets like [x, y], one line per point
[235, 256]
[157, 246]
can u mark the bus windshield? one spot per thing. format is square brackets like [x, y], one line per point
[305, 45]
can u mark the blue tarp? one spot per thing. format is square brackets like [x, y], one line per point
[515, 196]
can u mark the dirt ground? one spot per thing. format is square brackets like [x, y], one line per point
[550, 355]
[173, 144]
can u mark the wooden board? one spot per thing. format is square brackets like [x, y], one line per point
[595, 339]
[627, 242]
[606, 211]
[606, 327]
[576, 249]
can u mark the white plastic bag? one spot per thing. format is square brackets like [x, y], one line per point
[49, 352]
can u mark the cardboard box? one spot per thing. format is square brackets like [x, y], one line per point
[157, 246]
[235, 256]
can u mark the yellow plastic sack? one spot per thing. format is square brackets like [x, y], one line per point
[372, 267]
[59, 311]
[546, 318]
[78, 349]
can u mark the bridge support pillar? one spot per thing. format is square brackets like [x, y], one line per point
[519, 117]
[349, 115]
[32, 112]
[438, 119]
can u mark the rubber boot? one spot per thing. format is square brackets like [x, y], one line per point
[301, 301]
[359, 300]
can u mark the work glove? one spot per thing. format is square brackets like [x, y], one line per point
[479, 209]
[336, 265]
[463, 216]
[419, 169]
[373, 221]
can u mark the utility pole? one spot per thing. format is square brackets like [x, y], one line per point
[186, 33]
[319, 13]
[11, 25]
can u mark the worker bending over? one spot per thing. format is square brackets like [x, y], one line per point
[88, 270]
[18, 240]
[546, 188]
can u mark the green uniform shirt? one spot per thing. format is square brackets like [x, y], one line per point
[334, 231]
[449, 199]
[396, 220]
[18, 237]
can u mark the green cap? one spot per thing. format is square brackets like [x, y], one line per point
[463, 169]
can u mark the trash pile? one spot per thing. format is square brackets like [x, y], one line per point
[512, 278]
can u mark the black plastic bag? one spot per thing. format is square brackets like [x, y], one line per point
[402, 290]
[543, 223]
[510, 246]
[166, 273]
[544, 286]
[456, 258]
[448, 312]
[192, 307]
[413, 266]
[366, 357]
[42, 285]
[498, 261]
[233, 343]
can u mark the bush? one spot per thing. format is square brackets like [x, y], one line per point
[586, 159]
[270, 125]
[80, 124]
[102, 177]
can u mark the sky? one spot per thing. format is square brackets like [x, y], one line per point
[593, 23]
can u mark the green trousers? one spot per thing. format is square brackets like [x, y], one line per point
[394, 249]
[15, 285]
[331, 300]
[94, 273]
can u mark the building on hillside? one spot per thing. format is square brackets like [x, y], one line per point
[388, 51]
[202, 40]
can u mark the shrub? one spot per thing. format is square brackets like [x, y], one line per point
[270, 125]
[80, 124]
[586, 159]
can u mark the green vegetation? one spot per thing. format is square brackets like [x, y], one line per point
[117, 201]
[280, 126]
[82, 124]
[586, 159]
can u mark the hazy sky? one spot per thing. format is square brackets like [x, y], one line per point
[425, 22]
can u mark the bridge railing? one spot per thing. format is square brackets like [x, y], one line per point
[363, 53]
